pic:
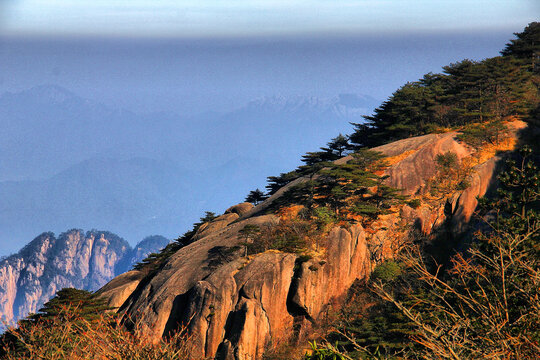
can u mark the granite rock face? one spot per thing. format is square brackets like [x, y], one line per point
[76, 259]
[411, 173]
[236, 307]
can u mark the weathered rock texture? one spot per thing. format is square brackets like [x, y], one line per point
[235, 307]
[31, 277]
[238, 306]
[118, 289]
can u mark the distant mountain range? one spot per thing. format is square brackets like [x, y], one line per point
[344, 105]
[77, 259]
[67, 161]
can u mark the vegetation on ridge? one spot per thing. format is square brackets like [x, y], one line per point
[154, 260]
[474, 96]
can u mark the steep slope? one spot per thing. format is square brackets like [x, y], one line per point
[73, 259]
[237, 306]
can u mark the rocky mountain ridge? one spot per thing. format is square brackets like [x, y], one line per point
[240, 306]
[76, 259]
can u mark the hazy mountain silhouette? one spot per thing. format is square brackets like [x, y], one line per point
[74, 162]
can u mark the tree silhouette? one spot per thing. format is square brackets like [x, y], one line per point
[256, 196]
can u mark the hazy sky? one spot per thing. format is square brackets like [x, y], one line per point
[217, 18]
[195, 59]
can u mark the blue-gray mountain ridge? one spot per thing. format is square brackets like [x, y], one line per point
[67, 160]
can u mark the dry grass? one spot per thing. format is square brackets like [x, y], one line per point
[391, 160]
[67, 337]
[490, 150]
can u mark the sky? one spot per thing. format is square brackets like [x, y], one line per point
[108, 50]
[246, 18]
[198, 65]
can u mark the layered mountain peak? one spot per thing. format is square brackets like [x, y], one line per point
[72, 259]
[47, 96]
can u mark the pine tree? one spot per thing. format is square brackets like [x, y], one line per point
[412, 110]
[154, 260]
[337, 147]
[337, 184]
[277, 182]
[79, 303]
[256, 196]
[352, 186]
[466, 92]
[526, 46]
[69, 305]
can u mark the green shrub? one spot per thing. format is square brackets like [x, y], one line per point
[446, 161]
[324, 216]
[293, 236]
[414, 203]
[386, 272]
[451, 175]
[325, 352]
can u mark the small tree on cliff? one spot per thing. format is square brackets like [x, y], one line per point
[338, 146]
[249, 234]
[256, 196]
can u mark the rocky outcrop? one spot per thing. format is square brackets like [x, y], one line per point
[317, 282]
[464, 203]
[235, 307]
[411, 173]
[240, 209]
[215, 225]
[88, 261]
[118, 289]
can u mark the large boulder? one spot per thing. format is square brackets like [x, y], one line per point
[240, 209]
[412, 173]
